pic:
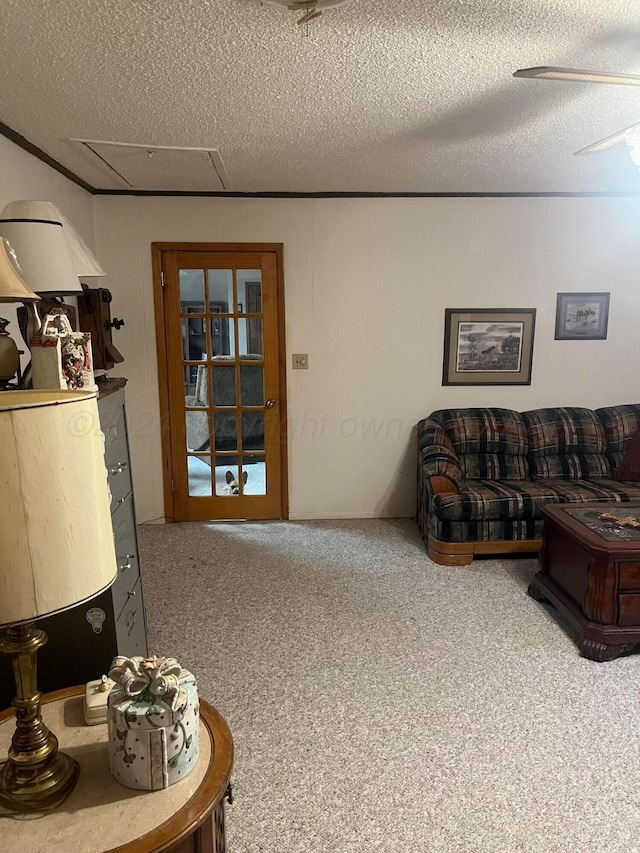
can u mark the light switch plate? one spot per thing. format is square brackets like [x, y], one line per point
[300, 361]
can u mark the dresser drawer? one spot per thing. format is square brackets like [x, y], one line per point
[629, 576]
[119, 483]
[628, 610]
[116, 450]
[130, 626]
[124, 538]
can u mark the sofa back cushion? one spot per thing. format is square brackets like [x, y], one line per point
[629, 469]
[491, 444]
[620, 424]
[566, 443]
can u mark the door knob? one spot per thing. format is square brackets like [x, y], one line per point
[270, 404]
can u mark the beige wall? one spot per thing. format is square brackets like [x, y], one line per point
[367, 282]
[23, 176]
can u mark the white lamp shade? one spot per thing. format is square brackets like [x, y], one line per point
[56, 539]
[83, 259]
[43, 254]
[13, 287]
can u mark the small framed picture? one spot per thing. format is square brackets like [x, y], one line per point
[582, 316]
[488, 346]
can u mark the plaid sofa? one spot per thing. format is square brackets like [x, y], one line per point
[484, 474]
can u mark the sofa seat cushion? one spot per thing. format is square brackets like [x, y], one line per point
[566, 443]
[490, 500]
[580, 491]
[490, 443]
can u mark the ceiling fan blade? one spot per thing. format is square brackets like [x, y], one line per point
[309, 16]
[606, 143]
[549, 72]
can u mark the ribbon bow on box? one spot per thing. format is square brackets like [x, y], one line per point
[150, 679]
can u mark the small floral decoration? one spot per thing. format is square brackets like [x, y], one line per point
[149, 679]
[153, 721]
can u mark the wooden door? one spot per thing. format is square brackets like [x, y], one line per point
[220, 333]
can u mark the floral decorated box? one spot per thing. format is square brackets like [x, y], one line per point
[153, 722]
[60, 357]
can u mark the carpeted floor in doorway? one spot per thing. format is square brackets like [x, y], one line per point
[379, 702]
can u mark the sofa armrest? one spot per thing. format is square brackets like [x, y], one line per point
[442, 486]
[437, 460]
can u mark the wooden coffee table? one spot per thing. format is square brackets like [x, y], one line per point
[590, 571]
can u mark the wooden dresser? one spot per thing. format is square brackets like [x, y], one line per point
[84, 640]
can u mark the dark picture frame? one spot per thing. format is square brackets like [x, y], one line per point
[488, 346]
[582, 316]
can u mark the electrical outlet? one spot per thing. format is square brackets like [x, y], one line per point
[300, 361]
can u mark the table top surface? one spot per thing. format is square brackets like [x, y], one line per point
[102, 812]
[604, 527]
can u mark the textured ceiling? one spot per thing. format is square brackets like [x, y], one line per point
[378, 96]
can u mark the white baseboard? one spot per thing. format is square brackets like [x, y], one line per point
[328, 516]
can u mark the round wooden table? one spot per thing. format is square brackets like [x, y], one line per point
[102, 816]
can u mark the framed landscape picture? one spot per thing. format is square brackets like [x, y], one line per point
[488, 346]
[582, 316]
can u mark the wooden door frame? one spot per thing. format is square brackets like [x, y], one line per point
[163, 371]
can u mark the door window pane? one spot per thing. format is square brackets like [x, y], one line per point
[253, 430]
[252, 385]
[227, 481]
[250, 337]
[225, 431]
[222, 337]
[189, 375]
[196, 388]
[191, 291]
[249, 291]
[254, 468]
[197, 429]
[224, 385]
[220, 291]
[194, 338]
[199, 469]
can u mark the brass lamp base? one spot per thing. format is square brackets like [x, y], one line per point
[37, 790]
[36, 777]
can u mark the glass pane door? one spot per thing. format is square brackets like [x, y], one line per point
[229, 387]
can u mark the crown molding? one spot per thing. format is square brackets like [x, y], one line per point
[28, 146]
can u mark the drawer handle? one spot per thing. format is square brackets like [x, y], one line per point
[124, 566]
[131, 621]
[118, 468]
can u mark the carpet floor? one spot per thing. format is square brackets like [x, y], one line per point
[379, 702]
